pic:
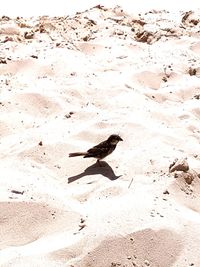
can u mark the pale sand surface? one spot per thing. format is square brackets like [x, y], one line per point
[67, 83]
[63, 7]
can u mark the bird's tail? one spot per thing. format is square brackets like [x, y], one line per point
[77, 154]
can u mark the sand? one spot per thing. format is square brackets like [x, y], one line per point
[67, 83]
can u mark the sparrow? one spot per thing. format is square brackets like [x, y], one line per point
[101, 150]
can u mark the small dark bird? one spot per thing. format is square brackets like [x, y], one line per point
[101, 150]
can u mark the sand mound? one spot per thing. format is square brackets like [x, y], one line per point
[17, 217]
[141, 248]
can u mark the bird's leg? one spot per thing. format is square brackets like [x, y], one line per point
[98, 161]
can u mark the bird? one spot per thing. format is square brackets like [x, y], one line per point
[101, 150]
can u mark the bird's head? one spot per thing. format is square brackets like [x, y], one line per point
[114, 139]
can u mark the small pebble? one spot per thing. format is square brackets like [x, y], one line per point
[166, 192]
[40, 143]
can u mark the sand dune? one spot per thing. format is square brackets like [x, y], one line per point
[67, 83]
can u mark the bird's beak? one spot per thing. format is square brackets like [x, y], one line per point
[120, 139]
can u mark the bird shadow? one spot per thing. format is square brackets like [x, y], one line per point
[103, 169]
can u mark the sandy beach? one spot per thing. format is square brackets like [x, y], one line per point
[68, 83]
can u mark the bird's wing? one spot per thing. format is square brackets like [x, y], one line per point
[103, 147]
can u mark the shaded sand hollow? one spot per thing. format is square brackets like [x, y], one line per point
[66, 84]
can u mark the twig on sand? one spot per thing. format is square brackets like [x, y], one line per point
[130, 183]
[17, 192]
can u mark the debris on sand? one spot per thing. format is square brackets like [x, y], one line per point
[179, 165]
